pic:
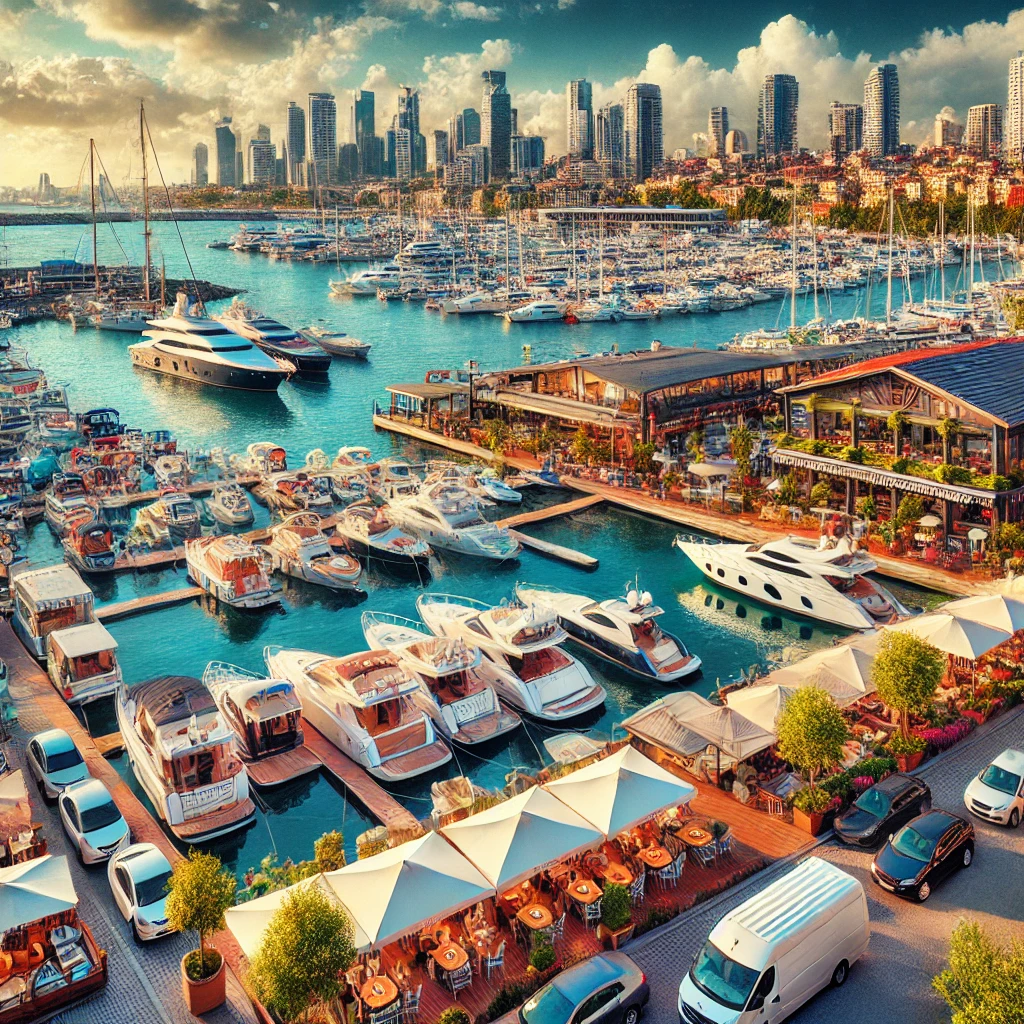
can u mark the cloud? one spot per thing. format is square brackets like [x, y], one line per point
[466, 10]
[452, 81]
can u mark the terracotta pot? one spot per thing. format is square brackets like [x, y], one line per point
[612, 939]
[206, 995]
[908, 762]
[811, 822]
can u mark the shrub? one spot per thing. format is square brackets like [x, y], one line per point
[867, 508]
[616, 911]
[905, 746]
[862, 782]
[839, 784]
[811, 731]
[900, 465]
[542, 957]
[945, 736]
[910, 510]
[982, 984]
[876, 767]
[329, 851]
[948, 474]
[855, 455]
[813, 800]
[506, 999]
[454, 1015]
[819, 447]
[656, 918]
[821, 494]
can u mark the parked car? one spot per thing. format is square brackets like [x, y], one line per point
[92, 821]
[882, 809]
[604, 989]
[138, 879]
[997, 794]
[923, 853]
[54, 761]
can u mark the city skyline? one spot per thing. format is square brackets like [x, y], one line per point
[47, 123]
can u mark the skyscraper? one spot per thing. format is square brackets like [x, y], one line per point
[718, 128]
[947, 131]
[985, 129]
[579, 119]
[471, 127]
[777, 108]
[263, 132]
[527, 155]
[408, 117]
[226, 146]
[1015, 110]
[643, 147]
[295, 143]
[323, 138]
[496, 122]
[845, 129]
[439, 149]
[364, 131]
[200, 164]
[608, 140]
[262, 158]
[882, 111]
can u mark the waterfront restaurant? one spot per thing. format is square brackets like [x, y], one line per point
[961, 435]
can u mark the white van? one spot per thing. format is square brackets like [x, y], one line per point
[767, 957]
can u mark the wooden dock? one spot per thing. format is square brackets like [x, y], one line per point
[541, 515]
[197, 490]
[149, 603]
[110, 745]
[128, 561]
[557, 551]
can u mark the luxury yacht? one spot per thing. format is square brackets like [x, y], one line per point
[367, 282]
[448, 516]
[337, 343]
[367, 530]
[622, 630]
[173, 517]
[298, 547]
[455, 693]
[826, 581]
[276, 340]
[479, 302]
[228, 504]
[364, 705]
[533, 673]
[533, 312]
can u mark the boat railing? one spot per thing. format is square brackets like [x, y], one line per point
[224, 672]
[468, 602]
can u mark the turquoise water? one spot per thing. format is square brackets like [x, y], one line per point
[729, 636]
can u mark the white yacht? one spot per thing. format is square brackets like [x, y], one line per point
[536, 311]
[454, 691]
[367, 282]
[274, 338]
[297, 547]
[364, 705]
[229, 505]
[448, 516]
[826, 581]
[478, 302]
[621, 630]
[366, 530]
[230, 569]
[532, 672]
[337, 343]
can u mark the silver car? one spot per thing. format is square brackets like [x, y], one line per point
[54, 761]
[606, 989]
[138, 877]
[92, 821]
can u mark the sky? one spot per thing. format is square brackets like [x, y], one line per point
[71, 69]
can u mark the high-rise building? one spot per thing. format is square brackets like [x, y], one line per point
[496, 122]
[471, 126]
[200, 164]
[736, 143]
[845, 129]
[718, 128]
[46, 189]
[364, 131]
[263, 132]
[408, 117]
[227, 144]
[348, 161]
[527, 155]
[643, 146]
[296, 144]
[608, 140]
[882, 111]
[323, 139]
[438, 154]
[281, 167]
[1014, 122]
[401, 156]
[262, 159]
[579, 119]
[947, 131]
[777, 107]
[985, 129]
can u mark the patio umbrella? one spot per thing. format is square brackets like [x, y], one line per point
[35, 889]
[995, 610]
[761, 704]
[929, 521]
[844, 671]
[620, 791]
[710, 470]
[962, 638]
[515, 839]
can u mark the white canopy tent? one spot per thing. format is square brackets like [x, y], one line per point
[844, 671]
[515, 839]
[711, 470]
[999, 611]
[35, 889]
[620, 791]
[963, 638]
[761, 704]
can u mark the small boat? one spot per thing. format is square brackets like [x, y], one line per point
[261, 457]
[296, 490]
[266, 717]
[337, 343]
[496, 489]
[100, 423]
[81, 662]
[457, 696]
[173, 517]
[172, 471]
[65, 501]
[231, 570]
[89, 542]
[15, 420]
[367, 530]
[350, 483]
[229, 504]
[298, 548]
[395, 478]
[353, 455]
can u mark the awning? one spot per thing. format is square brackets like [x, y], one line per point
[711, 470]
[761, 704]
[35, 889]
[963, 638]
[844, 671]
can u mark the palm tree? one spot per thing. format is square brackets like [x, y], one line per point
[896, 422]
[811, 402]
[948, 428]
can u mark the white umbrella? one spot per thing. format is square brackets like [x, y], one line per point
[929, 521]
[709, 470]
[963, 638]
[33, 890]
[995, 610]
[761, 704]
[844, 670]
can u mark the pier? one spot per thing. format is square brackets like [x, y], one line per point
[541, 515]
[149, 603]
[196, 490]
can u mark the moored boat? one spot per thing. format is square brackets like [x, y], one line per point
[229, 505]
[231, 570]
[367, 530]
[297, 547]
[88, 542]
[81, 662]
[173, 518]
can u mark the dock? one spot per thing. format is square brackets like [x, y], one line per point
[540, 515]
[557, 551]
[198, 489]
[149, 603]
[128, 561]
[110, 745]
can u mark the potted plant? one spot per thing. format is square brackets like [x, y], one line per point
[616, 916]
[908, 751]
[810, 807]
[454, 1015]
[542, 957]
[199, 891]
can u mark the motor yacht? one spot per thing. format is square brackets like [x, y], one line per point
[273, 338]
[173, 517]
[172, 471]
[536, 311]
[231, 570]
[522, 642]
[183, 754]
[454, 692]
[296, 490]
[65, 501]
[394, 478]
[826, 581]
[81, 662]
[297, 547]
[367, 530]
[622, 630]
[496, 489]
[229, 505]
[448, 516]
[369, 281]
[337, 343]
[88, 542]
[261, 458]
[364, 705]
[478, 302]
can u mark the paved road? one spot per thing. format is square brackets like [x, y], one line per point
[909, 941]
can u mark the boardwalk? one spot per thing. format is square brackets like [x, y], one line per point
[149, 603]
[541, 515]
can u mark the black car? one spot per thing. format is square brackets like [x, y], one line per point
[922, 853]
[882, 809]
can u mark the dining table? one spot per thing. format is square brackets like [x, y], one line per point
[655, 856]
[584, 891]
[378, 992]
[450, 957]
[536, 916]
[618, 873]
[694, 835]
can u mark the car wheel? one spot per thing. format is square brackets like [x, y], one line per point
[135, 933]
[840, 974]
[631, 1016]
[924, 892]
[968, 856]
[1014, 818]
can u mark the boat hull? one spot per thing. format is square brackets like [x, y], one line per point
[210, 374]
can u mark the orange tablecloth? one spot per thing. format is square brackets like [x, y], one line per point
[378, 992]
[618, 873]
[693, 835]
[450, 957]
[536, 916]
[584, 891]
[655, 856]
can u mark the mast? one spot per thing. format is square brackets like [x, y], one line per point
[814, 261]
[337, 239]
[792, 290]
[942, 251]
[145, 200]
[575, 268]
[664, 262]
[92, 200]
[507, 282]
[600, 257]
[888, 290]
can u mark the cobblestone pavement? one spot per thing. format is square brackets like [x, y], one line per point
[909, 941]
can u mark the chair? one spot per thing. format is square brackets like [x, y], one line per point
[557, 929]
[670, 874]
[460, 979]
[411, 1005]
[705, 854]
[636, 890]
[723, 846]
[389, 1015]
[591, 913]
[491, 962]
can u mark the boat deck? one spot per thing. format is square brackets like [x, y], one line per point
[416, 760]
[283, 767]
[225, 819]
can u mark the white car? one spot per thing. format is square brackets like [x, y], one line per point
[54, 761]
[997, 794]
[92, 821]
[138, 879]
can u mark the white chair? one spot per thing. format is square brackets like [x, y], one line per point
[411, 1005]
[705, 854]
[492, 963]
[592, 913]
[636, 890]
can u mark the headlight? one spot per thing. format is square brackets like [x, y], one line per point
[908, 881]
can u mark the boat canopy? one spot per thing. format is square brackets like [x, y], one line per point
[81, 641]
[57, 586]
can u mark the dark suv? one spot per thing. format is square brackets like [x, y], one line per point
[883, 809]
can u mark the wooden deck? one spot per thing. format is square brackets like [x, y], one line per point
[540, 515]
[149, 603]
[283, 767]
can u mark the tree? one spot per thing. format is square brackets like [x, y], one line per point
[896, 422]
[199, 891]
[695, 444]
[906, 672]
[581, 446]
[329, 851]
[909, 511]
[948, 428]
[984, 983]
[643, 457]
[811, 731]
[306, 950]
[741, 442]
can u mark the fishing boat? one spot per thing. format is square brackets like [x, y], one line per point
[297, 547]
[622, 630]
[231, 570]
[183, 754]
[337, 343]
[274, 338]
[532, 671]
[364, 705]
[229, 504]
[454, 690]
[266, 718]
[173, 517]
[81, 662]
[367, 530]
[88, 542]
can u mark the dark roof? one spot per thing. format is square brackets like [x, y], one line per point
[173, 698]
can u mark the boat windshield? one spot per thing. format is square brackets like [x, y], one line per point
[726, 981]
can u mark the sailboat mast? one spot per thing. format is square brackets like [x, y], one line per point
[888, 290]
[792, 289]
[145, 201]
[600, 257]
[507, 282]
[942, 252]
[92, 200]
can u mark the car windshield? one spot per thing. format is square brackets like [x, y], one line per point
[95, 818]
[65, 759]
[152, 890]
[999, 778]
[548, 1006]
[725, 980]
[913, 845]
[874, 802]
